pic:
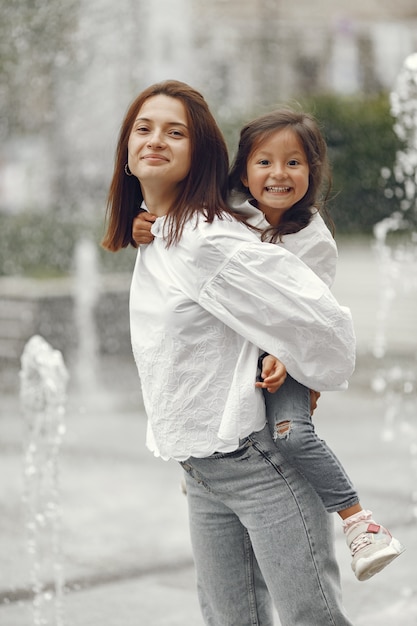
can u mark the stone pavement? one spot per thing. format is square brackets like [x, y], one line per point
[125, 549]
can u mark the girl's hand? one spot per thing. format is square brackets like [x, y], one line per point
[314, 396]
[141, 229]
[273, 374]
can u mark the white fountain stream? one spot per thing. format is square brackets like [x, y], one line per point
[396, 249]
[43, 379]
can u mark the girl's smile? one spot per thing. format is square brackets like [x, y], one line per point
[277, 174]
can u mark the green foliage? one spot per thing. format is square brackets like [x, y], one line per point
[42, 245]
[361, 141]
[34, 244]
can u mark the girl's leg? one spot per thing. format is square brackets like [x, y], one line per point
[289, 530]
[288, 411]
[288, 414]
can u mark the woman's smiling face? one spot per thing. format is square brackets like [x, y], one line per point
[159, 147]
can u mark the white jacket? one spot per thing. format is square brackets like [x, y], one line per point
[200, 310]
[314, 244]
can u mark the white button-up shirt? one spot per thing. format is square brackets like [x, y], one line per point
[201, 310]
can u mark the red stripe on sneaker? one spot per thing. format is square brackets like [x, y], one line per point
[373, 528]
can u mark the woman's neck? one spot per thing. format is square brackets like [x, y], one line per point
[157, 204]
[158, 201]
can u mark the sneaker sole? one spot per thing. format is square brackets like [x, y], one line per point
[366, 567]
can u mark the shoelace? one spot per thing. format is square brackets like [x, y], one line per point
[359, 542]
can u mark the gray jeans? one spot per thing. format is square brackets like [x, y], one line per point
[259, 531]
[288, 415]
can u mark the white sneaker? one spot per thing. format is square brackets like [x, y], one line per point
[372, 547]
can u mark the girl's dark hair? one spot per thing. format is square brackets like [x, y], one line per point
[307, 130]
[204, 189]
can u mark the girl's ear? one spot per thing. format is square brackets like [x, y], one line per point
[244, 180]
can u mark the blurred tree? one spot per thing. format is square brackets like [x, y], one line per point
[35, 42]
[361, 141]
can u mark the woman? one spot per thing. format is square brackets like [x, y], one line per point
[203, 304]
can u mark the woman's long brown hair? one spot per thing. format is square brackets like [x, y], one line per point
[205, 187]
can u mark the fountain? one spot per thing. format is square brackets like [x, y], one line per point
[43, 381]
[396, 249]
[86, 294]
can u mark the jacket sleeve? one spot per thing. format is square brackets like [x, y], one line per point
[274, 300]
[315, 246]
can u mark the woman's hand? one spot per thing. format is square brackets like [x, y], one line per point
[273, 374]
[141, 229]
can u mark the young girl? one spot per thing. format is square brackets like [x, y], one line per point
[279, 171]
[205, 294]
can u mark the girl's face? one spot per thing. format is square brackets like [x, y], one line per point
[277, 174]
[159, 146]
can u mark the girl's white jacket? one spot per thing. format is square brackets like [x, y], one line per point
[201, 310]
[314, 244]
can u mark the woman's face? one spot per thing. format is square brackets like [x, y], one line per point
[159, 146]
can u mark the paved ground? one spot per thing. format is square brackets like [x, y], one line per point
[124, 539]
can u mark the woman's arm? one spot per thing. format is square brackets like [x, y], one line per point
[269, 297]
